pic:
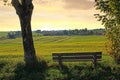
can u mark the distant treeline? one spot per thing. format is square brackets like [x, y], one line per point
[83, 32]
[72, 32]
[14, 34]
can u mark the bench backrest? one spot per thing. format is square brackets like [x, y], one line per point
[83, 56]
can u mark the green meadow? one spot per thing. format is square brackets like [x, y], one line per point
[12, 66]
[46, 45]
[4, 33]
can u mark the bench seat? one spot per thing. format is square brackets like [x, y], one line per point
[76, 57]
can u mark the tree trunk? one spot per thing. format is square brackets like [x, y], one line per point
[24, 11]
[29, 51]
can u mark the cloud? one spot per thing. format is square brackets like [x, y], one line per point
[42, 2]
[67, 4]
[79, 4]
[46, 2]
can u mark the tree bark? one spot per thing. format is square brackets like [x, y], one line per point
[24, 11]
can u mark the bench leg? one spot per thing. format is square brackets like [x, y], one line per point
[94, 64]
[94, 61]
[60, 62]
[60, 65]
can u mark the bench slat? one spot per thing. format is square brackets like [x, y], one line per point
[77, 57]
[74, 60]
[77, 54]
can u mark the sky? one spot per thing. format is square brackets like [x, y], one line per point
[53, 15]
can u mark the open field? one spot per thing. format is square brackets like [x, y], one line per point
[3, 34]
[12, 66]
[46, 45]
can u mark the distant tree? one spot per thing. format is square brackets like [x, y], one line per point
[110, 18]
[85, 29]
[65, 32]
[76, 31]
[18, 33]
[91, 32]
[11, 35]
[24, 9]
[38, 33]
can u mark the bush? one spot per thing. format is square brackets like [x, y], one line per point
[19, 71]
[55, 74]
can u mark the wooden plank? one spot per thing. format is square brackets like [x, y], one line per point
[77, 57]
[74, 60]
[91, 56]
[82, 56]
[77, 54]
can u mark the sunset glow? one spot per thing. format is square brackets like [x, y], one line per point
[53, 15]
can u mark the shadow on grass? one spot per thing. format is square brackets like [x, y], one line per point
[19, 71]
[2, 64]
[81, 72]
[24, 72]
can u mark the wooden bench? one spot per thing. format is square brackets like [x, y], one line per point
[76, 57]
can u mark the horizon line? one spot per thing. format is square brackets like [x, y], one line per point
[52, 30]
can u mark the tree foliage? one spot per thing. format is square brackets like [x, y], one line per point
[110, 17]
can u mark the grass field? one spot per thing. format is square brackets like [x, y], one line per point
[3, 34]
[12, 66]
[46, 45]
